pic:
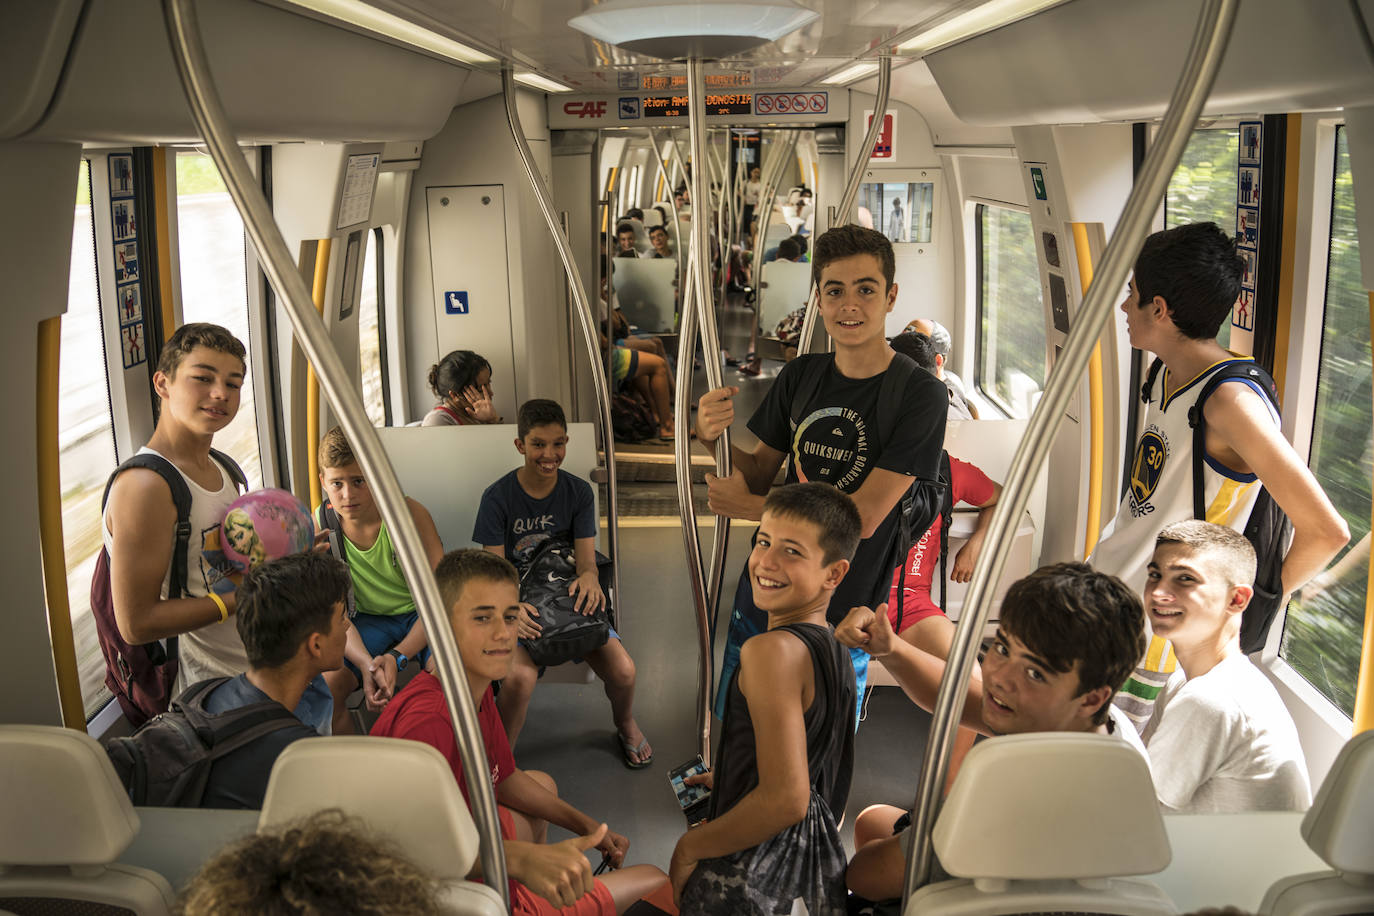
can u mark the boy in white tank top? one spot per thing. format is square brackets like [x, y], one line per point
[198, 379]
[1186, 281]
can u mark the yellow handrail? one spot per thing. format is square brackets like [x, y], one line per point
[50, 526]
[1364, 683]
[162, 202]
[1288, 252]
[312, 384]
[1096, 415]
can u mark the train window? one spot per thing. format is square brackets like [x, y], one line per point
[86, 442]
[214, 286]
[1203, 187]
[1011, 312]
[372, 331]
[1321, 638]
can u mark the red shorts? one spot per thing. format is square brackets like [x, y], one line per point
[913, 611]
[525, 902]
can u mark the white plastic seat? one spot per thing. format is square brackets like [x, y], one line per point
[403, 790]
[1339, 828]
[64, 820]
[1049, 822]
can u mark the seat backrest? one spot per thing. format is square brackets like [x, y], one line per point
[403, 790]
[645, 292]
[65, 820]
[446, 468]
[1340, 824]
[787, 286]
[1052, 805]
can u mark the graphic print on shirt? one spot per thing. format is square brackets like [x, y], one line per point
[1147, 467]
[530, 533]
[215, 568]
[831, 445]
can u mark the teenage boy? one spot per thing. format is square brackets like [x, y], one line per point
[1220, 739]
[1186, 281]
[625, 241]
[482, 594]
[197, 382]
[1067, 639]
[782, 771]
[836, 437]
[518, 513]
[294, 623]
[386, 632]
[658, 237]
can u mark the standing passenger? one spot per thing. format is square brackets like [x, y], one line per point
[462, 383]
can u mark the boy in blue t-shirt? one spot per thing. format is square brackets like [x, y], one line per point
[518, 512]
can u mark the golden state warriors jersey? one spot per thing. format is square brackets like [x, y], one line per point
[1161, 482]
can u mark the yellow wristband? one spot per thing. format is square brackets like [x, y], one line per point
[219, 603]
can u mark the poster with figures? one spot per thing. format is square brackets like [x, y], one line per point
[130, 303]
[131, 344]
[124, 253]
[1249, 169]
[121, 175]
[126, 261]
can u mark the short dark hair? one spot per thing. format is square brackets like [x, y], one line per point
[198, 334]
[326, 862]
[1069, 613]
[834, 513]
[801, 242]
[789, 250]
[539, 412]
[459, 567]
[1196, 270]
[456, 371]
[848, 241]
[917, 346]
[623, 228]
[335, 452]
[653, 229]
[283, 601]
[1235, 554]
[635, 213]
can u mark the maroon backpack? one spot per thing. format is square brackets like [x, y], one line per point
[141, 677]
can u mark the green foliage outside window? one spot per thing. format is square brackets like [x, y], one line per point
[1011, 313]
[1203, 188]
[1321, 638]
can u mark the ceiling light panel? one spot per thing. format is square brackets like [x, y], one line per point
[991, 15]
[858, 71]
[371, 19]
[535, 81]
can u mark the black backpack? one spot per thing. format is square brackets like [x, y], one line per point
[565, 633]
[328, 520]
[141, 677]
[924, 499]
[166, 763]
[1268, 529]
[907, 536]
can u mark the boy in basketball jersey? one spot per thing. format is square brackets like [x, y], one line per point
[1186, 281]
[837, 439]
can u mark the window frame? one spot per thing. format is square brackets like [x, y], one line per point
[980, 205]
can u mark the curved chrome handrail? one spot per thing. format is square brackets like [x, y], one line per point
[188, 52]
[851, 190]
[586, 320]
[1199, 71]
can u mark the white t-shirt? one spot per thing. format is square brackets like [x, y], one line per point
[214, 650]
[1222, 742]
[751, 193]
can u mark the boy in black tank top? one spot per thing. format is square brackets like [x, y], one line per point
[782, 771]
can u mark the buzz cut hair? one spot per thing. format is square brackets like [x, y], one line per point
[539, 412]
[832, 512]
[459, 567]
[1234, 555]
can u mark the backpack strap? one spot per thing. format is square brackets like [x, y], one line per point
[946, 519]
[220, 733]
[232, 468]
[812, 374]
[1150, 376]
[890, 393]
[328, 520]
[1249, 370]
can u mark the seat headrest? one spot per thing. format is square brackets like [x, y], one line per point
[403, 790]
[1340, 825]
[62, 803]
[1052, 805]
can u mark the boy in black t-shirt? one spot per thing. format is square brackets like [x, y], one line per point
[519, 512]
[835, 437]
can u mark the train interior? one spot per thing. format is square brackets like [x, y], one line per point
[378, 131]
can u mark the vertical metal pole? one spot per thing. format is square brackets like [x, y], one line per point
[767, 192]
[600, 381]
[608, 271]
[188, 52]
[851, 188]
[710, 340]
[1199, 71]
[574, 408]
[679, 248]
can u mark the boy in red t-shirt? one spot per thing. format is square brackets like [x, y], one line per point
[482, 593]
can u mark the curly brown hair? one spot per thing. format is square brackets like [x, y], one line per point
[322, 864]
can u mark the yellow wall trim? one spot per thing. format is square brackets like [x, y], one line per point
[1096, 414]
[312, 384]
[162, 201]
[1364, 682]
[1288, 253]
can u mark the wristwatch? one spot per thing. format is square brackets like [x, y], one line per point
[401, 660]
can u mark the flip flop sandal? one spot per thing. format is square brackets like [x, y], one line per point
[626, 749]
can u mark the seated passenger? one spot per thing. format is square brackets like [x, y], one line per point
[482, 594]
[648, 374]
[625, 241]
[386, 631]
[1220, 739]
[324, 863]
[293, 620]
[781, 775]
[940, 339]
[518, 512]
[1067, 640]
[658, 237]
[922, 352]
[462, 383]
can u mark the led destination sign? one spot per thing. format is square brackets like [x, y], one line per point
[676, 106]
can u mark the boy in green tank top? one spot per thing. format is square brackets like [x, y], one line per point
[386, 632]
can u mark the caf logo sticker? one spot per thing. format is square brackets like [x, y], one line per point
[1147, 467]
